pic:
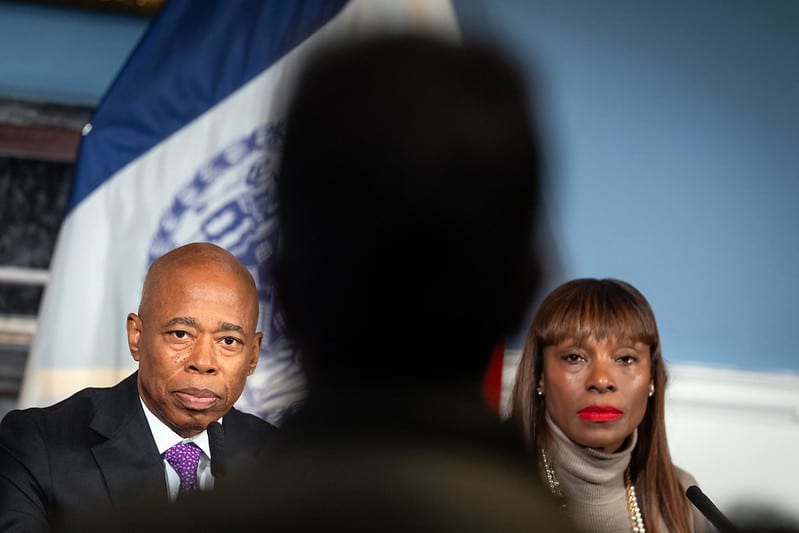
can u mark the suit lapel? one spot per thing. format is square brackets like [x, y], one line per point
[128, 458]
[237, 444]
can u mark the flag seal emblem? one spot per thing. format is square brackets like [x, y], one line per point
[231, 201]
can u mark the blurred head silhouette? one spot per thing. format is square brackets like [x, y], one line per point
[408, 189]
[407, 193]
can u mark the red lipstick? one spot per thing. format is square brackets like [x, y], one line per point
[599, 413]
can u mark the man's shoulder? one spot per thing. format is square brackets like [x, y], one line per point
[82, 405]
[246, 437]
[240, 421]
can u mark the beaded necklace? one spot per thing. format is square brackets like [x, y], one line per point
[632, 501]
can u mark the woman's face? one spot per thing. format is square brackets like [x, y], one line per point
[597, 392]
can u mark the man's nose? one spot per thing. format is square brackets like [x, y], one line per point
[203, 356]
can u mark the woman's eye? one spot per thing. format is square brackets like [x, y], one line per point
[573, 357]
[627, 359]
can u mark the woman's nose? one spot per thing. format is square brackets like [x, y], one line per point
[601, 377]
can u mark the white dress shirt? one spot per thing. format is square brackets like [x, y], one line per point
[165, 438]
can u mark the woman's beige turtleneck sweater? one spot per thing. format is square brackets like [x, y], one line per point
[592, 483]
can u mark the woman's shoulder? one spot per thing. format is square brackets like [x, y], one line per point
[699, 522]
[685, 478]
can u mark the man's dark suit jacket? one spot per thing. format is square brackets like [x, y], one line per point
[419, 458]
[93, 451]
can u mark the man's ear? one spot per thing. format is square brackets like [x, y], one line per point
[256, 348]
[134, 328]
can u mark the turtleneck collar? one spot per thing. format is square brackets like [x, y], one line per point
[586, 474]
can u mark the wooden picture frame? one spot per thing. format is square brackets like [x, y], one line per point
[143, 8]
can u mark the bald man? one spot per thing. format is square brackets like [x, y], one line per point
[195, 340]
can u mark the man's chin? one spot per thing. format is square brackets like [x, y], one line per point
[190, 422]
[192, 425]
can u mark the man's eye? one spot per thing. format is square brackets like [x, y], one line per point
[179, 334]
[230, 341]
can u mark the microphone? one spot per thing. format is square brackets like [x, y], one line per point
[709, 510]
[216, 441]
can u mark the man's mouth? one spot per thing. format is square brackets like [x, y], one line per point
[197, 399]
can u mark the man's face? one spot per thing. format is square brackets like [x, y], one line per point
[196, 344]
[597, 392]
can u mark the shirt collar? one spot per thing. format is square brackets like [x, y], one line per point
[165, 438]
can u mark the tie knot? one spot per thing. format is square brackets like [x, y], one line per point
[184, 458]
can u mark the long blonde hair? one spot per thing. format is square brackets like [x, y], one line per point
[602, 308]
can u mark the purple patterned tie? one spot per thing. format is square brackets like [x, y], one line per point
[184, 458]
